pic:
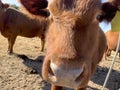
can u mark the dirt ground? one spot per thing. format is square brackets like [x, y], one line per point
[23, 70]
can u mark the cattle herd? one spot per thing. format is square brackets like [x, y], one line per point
[74, 42]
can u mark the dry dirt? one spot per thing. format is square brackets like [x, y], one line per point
[23, 70]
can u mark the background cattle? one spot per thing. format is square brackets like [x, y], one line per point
[74, 42]
[14, 23]
[112, 41]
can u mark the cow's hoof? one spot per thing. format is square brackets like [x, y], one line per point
[10, 53]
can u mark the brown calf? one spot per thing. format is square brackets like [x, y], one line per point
[75, 44]
[112, 41]
[14, 23]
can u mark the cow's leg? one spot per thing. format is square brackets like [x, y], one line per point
[53, 87]
[11, 41]
[105, 56]
[107, 53]
[119, 53]
[42, 43]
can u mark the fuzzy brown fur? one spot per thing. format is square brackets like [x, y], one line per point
[74, 42]
[112, 41]
[14, 23]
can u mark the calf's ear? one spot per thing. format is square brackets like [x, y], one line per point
[36, 7]
[108, 11]
[6, 5]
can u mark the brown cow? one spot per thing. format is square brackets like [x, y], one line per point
[14, 23]
[112, 41]
[74, 42]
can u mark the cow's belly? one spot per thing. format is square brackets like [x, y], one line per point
[65, 76]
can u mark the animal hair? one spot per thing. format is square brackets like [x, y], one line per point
[16, 23]
[74, 43]
[112, 40]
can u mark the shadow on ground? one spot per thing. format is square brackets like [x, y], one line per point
[100, 75]
[34, 65]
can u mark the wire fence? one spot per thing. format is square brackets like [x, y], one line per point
[112, 64]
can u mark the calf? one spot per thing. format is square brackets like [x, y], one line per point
[74, 42]
[112, 41]
[14, 23]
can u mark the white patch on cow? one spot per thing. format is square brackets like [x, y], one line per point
[65, 77]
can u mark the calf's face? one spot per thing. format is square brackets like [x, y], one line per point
[71, 59]
[73, 43]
